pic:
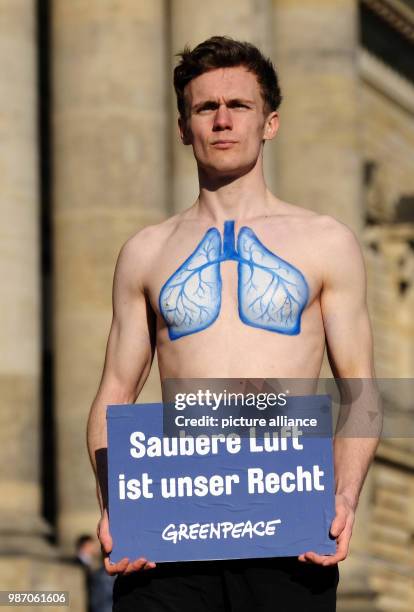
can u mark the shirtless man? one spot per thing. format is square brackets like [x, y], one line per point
[228, 96]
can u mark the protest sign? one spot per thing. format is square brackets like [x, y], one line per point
[269, 493]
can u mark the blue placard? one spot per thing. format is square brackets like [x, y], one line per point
[229, 497]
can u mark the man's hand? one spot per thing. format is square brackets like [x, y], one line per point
[125, 566]
[341, 530]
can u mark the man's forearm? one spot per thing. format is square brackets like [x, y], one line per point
[97, 439]
[358, 430]
[97, 447]
[352, 458]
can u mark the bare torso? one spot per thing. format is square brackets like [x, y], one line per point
[264, 307]
[228, 348]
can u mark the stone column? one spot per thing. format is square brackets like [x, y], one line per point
[317, 148]
[110, 164]
[19, 270]
[26, 560]
[247, 20]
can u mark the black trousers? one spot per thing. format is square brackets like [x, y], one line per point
[245, 585]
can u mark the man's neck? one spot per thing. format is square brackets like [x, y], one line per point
[243, 197]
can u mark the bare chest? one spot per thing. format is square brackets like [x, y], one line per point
[262, 278]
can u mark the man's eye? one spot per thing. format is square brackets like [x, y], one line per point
[206, 108]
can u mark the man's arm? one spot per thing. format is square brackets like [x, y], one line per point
[128, 359]
[350, 352]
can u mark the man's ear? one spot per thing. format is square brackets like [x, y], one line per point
[271, 126]
[183, 131]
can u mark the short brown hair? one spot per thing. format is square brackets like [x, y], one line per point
[225, 52]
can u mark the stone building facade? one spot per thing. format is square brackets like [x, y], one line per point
[90, 154]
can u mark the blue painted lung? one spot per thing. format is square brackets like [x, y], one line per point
[272, 293]
[190, 300]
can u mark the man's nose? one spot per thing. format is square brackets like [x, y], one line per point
[222, 118]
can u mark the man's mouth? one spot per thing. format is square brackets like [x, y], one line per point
[223, 144]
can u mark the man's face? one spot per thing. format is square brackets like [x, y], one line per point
[225, 122]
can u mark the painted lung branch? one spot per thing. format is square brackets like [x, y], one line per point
[191, 298]
[272, 293]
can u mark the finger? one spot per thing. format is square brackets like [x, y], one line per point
[303, 558]
[338, 524]
[104, 536]
[135, 566]
[333, 559]
[116, 568]
[106, 544]
[342, 546]
[340, 555]
[325, 560]
[150, 565]
[312, 557]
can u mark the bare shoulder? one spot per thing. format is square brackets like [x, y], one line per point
[339, 252]
[336, 237]
[293, 210]
[141, 250]
[330, 245]
[330, 233]
[150, 236]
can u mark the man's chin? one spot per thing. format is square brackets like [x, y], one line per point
[225, 171]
